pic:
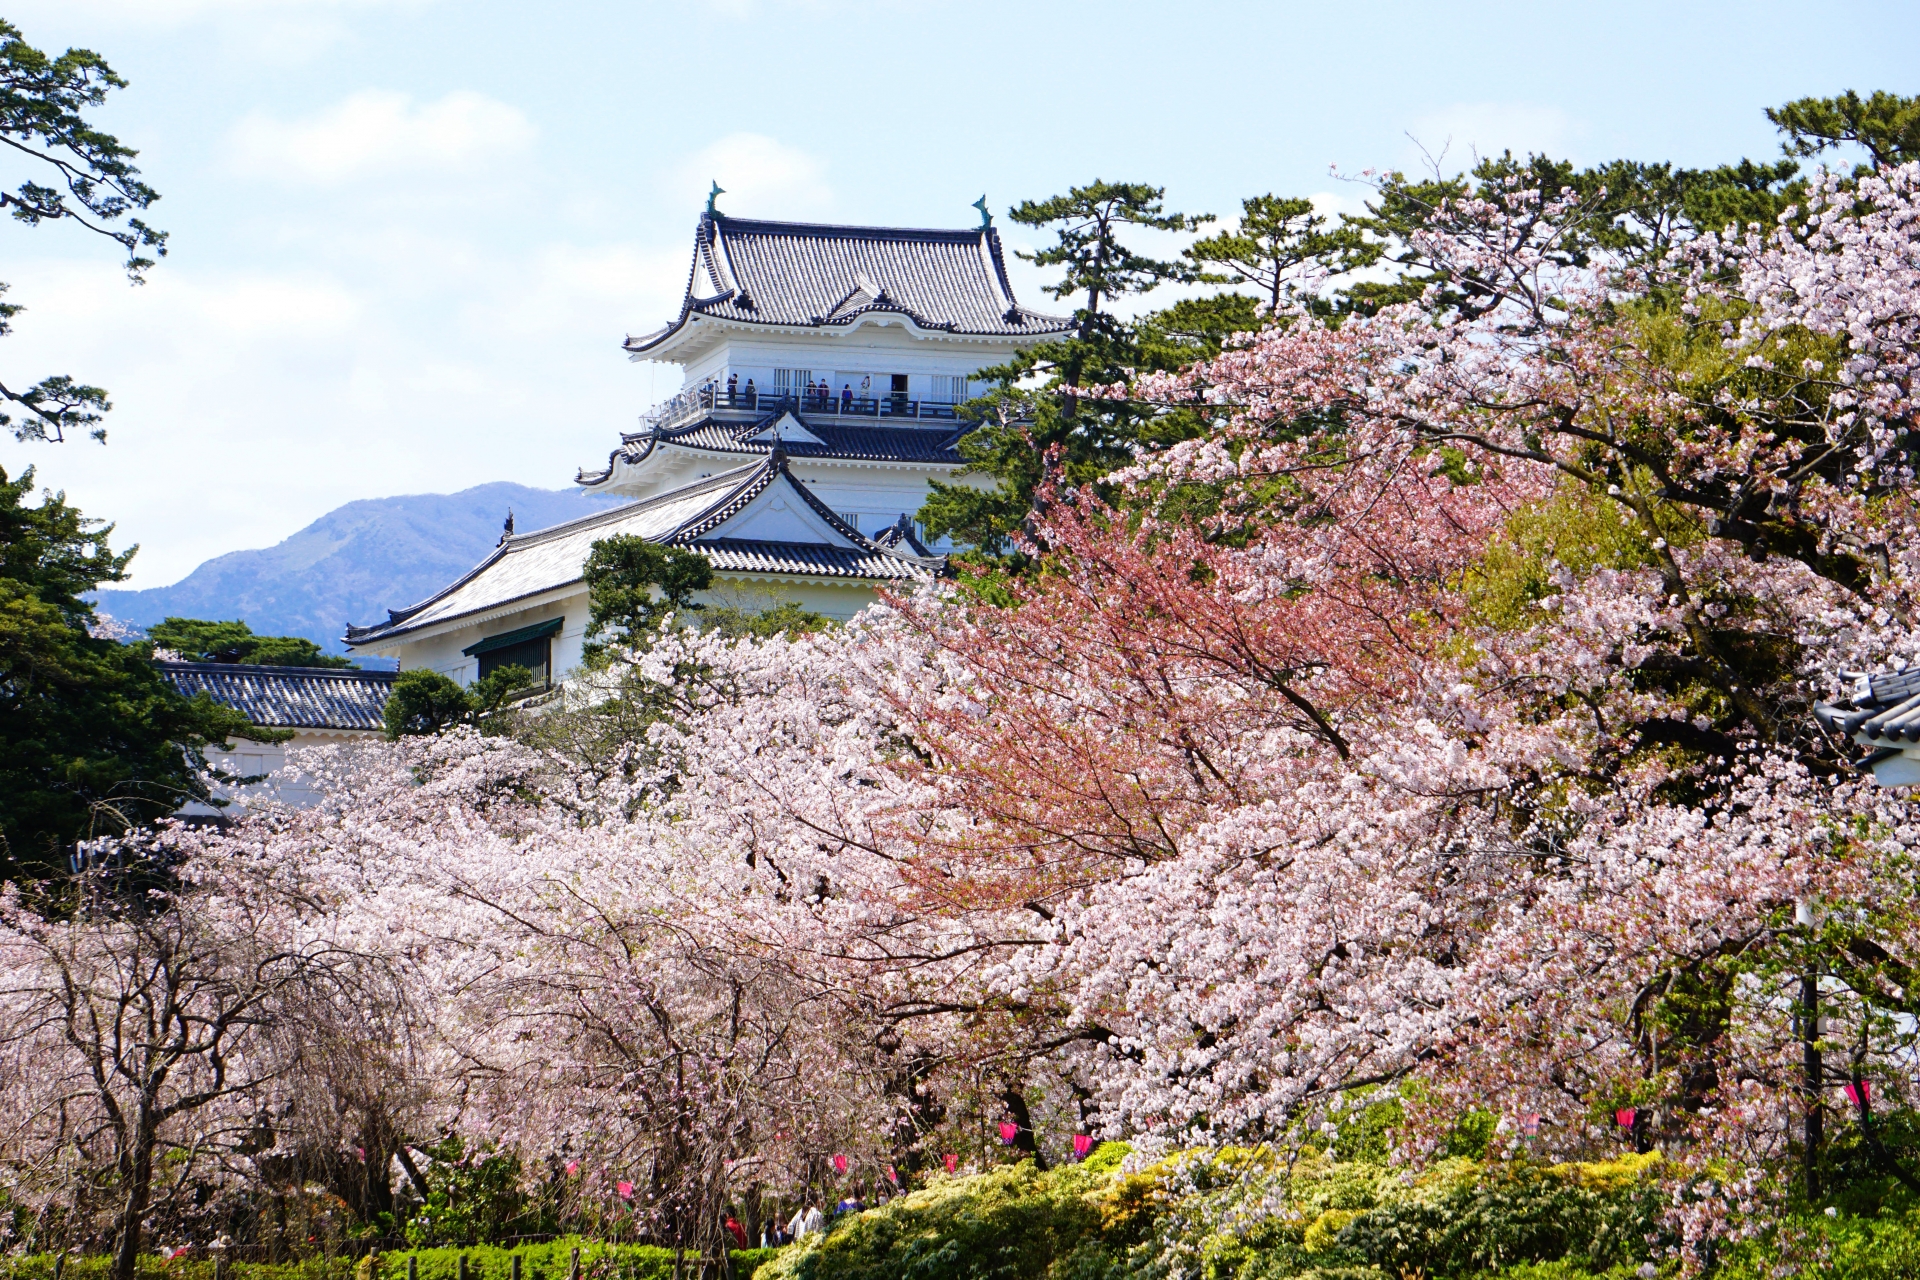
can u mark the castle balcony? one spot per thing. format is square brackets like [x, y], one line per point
[716, 401]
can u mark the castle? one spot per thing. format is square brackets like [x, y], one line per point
[822, 369]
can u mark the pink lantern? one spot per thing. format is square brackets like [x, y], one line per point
[893, 1175]
[573, 1167]
[1009, 1131]
[625, 1189]
[1625, 1116]
[839, 1164]
[952, 1162]
[1861, 1095]
[1529, 1123]
[1082, 1145]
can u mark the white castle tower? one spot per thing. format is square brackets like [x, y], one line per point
[822, 366]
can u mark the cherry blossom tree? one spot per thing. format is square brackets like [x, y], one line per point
[138, 1020]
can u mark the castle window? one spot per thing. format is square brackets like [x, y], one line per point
[529, 647]
[792, 382]
[948, 390]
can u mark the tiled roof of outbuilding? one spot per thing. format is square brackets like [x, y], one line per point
[824, 275]
[288, 697]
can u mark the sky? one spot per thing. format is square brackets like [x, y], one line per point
[408, 236]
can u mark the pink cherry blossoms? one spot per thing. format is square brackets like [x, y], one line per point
[1461, 746]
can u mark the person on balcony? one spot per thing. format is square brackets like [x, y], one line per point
[752, 399]
[733, 386]
[846, 397]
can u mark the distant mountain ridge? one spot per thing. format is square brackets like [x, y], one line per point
[354, 563]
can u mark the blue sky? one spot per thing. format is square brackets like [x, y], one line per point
[409, 235]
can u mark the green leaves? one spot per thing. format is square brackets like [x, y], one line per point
[43, 101]
[425, 702]
[196, 640]
[93, 740]
[1886, 124]
[92, 182]
[634, 585]
[1276, 238]
[1086, 223]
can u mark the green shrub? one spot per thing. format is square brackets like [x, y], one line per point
[1462, 1218]
[548, 1261]
[1838, 1248]
[1012, 1223]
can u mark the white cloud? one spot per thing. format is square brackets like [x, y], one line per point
[1453, 136]
[761, 175]
[377, 132]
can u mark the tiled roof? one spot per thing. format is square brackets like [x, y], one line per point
[900, 534]
[744, 555]
[1882, 708]
[526, 565]
[856, 443]
[818, 275]
[288, 697]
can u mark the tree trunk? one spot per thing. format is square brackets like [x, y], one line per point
[133, 1211]
[1810, 1061]
[1024, 1138]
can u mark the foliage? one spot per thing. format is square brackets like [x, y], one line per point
[1836, 1248]
[93, 741]
[426, 702]
[1241, 1214]
[1885, 124]
[474, 1192]
[788, 617]
[43, 106]
[1281, 244]
[635, 585]
[200, 641]
[1016, 426]
[1011, 1222]
[550, 1260]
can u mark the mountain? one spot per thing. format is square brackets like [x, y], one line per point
[353, 563]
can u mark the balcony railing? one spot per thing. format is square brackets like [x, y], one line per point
[697, 401]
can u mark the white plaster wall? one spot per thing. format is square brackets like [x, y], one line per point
[750, 592]
[441, 651]
[874, 347]
[249, 758]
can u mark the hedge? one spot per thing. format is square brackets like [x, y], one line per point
[550, 1261]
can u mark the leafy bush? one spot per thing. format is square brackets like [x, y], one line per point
[1013, 1223]
[548, 1261]
[1838, 1248]
[1463, 1218]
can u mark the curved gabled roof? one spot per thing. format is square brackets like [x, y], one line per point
[526, 565]
[821, 275]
